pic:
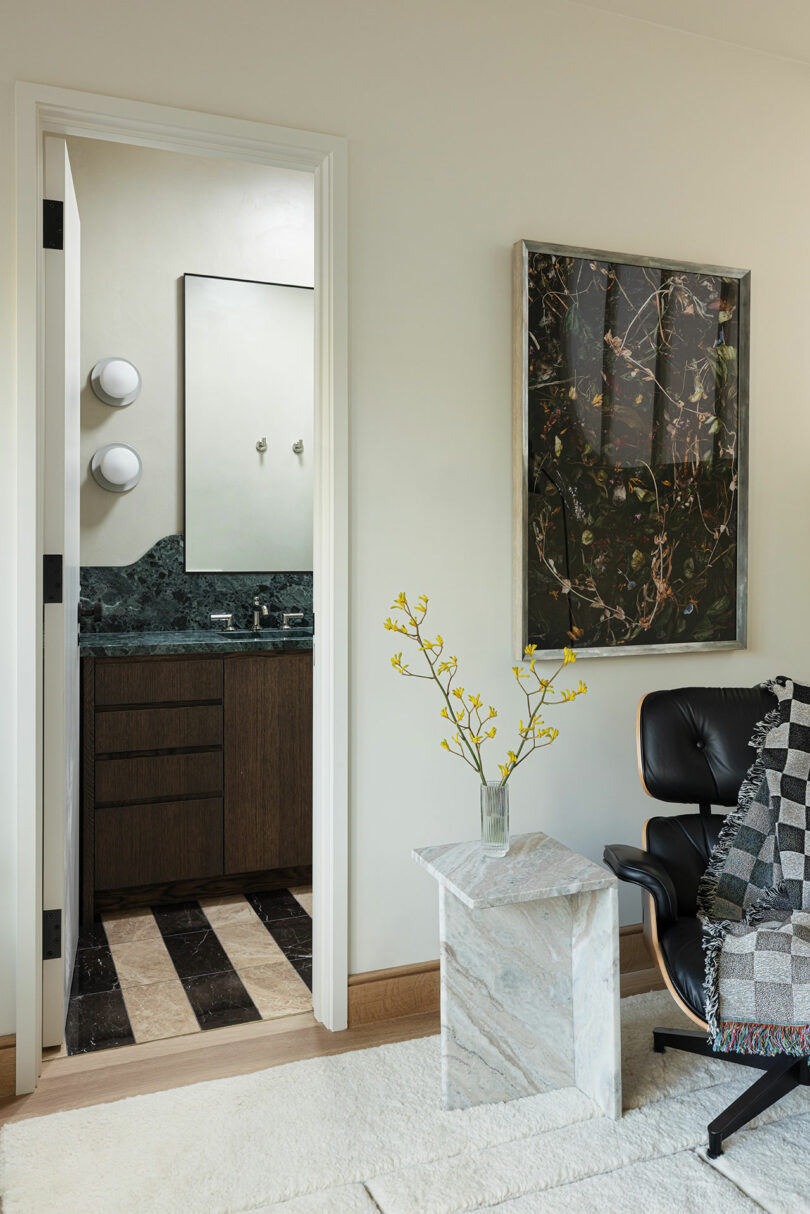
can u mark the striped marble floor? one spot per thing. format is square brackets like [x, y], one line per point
[168, 970]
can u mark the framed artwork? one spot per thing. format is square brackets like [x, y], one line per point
[631, 413]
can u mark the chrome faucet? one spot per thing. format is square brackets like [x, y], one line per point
[260, 612]
[290, 615]
[226, 619]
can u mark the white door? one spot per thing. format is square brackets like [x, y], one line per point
[61, 710]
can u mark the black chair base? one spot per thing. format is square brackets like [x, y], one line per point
[783, 1073]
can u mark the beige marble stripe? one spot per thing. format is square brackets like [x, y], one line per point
[141, 962]
[248, 944]
[159, 1010]
[276, 989]
[123, 926]
[234, 908]
[303, 894]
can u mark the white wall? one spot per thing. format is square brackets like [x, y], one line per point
[148, 217]
[472, 125]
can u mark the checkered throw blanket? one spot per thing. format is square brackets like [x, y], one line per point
[754, 899]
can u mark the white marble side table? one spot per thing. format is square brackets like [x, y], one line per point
[529, 973]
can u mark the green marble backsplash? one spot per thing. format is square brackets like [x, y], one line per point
[155, 593]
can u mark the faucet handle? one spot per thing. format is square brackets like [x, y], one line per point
[290, 615]
[227, 616]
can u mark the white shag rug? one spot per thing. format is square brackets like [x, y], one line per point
[363, 1133]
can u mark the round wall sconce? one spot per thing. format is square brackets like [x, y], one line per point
[116, 381]
[116, 467]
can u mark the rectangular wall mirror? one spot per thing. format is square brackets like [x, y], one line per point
[249, 393]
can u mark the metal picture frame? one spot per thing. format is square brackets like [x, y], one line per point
[525, 627]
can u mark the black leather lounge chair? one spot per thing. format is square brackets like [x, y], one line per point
[693, 747]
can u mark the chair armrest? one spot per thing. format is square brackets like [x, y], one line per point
[642, 868]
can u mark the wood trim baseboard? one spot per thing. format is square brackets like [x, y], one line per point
[8, 1065]
[633, 951]
[387, 994]
[409, 990]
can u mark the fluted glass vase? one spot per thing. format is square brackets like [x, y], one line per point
[494, 819]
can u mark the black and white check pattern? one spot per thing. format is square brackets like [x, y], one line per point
[756, 894]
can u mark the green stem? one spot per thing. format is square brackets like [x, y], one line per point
[532, 715]
[475, 758]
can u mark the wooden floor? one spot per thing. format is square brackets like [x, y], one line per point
[85, 1079]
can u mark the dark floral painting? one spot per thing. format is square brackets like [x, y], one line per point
[632, 385]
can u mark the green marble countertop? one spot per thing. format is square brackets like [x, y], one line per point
[130, 644]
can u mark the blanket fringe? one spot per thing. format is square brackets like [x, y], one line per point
[769, 1039]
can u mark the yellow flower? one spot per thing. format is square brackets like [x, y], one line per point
[510, 754]
[458, 692]
[529, 650]
[475, 701]
[459, 714]
[444, 713]
[445, 744]
[491, 732]
[439, 640]
[503, 768]
[493, 712]
[568, 656]
[476, 739]
[516, 671]
[425, 646]
[583, 687]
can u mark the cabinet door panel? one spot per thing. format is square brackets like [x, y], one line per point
[158, 680]
[268, 761]
[145, 844]
[121, 730]
[144, 779]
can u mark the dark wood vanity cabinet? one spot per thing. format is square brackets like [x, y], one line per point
[194, 767]
[268, 821]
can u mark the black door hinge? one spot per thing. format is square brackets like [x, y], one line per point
[53, 224]
[51, 934]
[52, 577]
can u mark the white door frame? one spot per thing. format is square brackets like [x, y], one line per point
[44, 109]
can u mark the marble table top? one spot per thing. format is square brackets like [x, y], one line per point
[535, 867]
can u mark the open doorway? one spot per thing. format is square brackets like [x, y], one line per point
[192, 731]
[159, 704]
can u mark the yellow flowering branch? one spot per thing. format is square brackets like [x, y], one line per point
[465, 710]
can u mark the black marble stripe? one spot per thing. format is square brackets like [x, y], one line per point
[289, 925]
[97, 1016]
[175, 917]
[219, 1000]
[214, 989]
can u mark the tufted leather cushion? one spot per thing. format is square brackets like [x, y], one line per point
[683, 844]
[693, 741]
[683, 955]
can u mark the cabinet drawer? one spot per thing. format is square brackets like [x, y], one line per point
[128, 780]
[157, 728]
[146, 844]
[160, 681]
